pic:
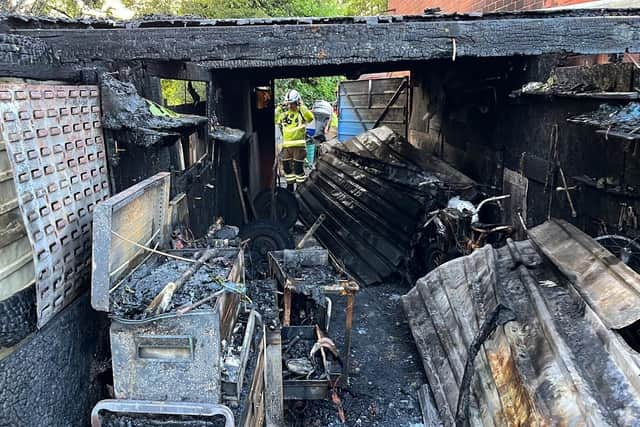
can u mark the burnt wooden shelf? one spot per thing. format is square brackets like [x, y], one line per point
[591, 183]
[611, 96]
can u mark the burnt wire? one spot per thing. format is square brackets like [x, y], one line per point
[218, 280]
[498, 317]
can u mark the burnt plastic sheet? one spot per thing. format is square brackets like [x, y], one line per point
[54, 139]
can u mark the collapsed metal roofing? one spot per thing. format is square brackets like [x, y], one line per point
[530, 334]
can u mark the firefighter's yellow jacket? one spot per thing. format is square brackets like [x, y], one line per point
[293, 125]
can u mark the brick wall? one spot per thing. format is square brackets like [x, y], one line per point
[416, 7]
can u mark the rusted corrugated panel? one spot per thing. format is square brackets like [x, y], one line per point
[610, 287]
[554, 363]
[54, 140]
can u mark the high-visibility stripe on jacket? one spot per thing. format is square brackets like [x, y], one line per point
[293, 144]
[293, 125]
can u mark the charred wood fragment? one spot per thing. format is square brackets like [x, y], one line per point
[124, 109]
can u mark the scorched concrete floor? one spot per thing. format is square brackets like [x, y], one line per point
[386, 367]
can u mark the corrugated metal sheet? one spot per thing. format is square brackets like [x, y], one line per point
[53, 136]
[16, 270]
[552, 361]
[376, 190]
[609, 286]
[361, 102]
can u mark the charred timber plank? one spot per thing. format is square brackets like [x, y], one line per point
[273, 387]
[359, 236]
[403, 201]
[178, 70]
[230, 47]
[360, 270]
[41, 72]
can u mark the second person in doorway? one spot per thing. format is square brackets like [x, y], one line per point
[292, 116]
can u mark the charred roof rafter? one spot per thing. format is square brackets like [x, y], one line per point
[319, 44]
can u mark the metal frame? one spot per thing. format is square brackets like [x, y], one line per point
[130, 209]
[161, 408]
[54, 141]
[346, 288]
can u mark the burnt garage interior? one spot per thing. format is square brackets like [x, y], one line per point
[540, 106]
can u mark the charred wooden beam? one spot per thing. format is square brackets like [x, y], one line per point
[229, 45]
[178, 70]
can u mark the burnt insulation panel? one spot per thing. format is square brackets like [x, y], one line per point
[55, 144]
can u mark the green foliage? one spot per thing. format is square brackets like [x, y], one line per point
[154, 7]
[221, 8]
[69, 8]
[175, 92]
[364, 7]
[311, 88]
[218, 9]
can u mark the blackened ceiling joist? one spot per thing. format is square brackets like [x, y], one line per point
[250, 44]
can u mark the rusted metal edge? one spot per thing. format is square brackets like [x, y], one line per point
[609, 286]
[103, 274]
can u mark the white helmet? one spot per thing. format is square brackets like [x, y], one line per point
[293, 97]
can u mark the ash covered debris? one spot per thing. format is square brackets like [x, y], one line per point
[146, 122]
[134, 295]
[306, 271]
[621, 119]
[147, 420]
[613, 79]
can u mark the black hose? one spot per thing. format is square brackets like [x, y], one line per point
[498, 317]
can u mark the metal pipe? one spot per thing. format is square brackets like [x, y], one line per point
[311, 230]
[349, 327]
[329, 309]
[491, 199]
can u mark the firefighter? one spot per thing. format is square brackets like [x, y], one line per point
[292, 117]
